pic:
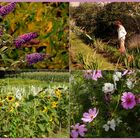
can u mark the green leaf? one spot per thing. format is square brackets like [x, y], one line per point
[3, 49]
[41, 127]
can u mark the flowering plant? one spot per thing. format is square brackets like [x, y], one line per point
[108, 105]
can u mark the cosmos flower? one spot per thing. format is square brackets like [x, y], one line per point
[117, 76]
[128, 100]
[128, 72]
[93, 74]
[130, 83]
[88, 74]
[110, 125]
[96, 74]
[78, 130]
[24, 39]
[90, 115]
[34, 58]
[4, 10]
[108, 88]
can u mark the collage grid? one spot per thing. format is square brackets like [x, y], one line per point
[69, 70]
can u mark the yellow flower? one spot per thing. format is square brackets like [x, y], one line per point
[54, 104]
[58, 93]
[1, 103]
[45, 109]
[11, 109]
[51, 119]
[10, 98]
[16, 104]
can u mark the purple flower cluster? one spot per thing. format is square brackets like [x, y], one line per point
[25, 38]
[34, 58]
[79, 130]
[4, 10]
[129, 100]
[93, 74]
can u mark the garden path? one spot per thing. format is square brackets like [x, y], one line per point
[78, 46]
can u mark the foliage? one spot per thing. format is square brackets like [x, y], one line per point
[87, 93]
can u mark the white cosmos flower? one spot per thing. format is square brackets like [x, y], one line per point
[110, 125]
[106, 127]
[117, 76]
[130, 84]
[108, 88]
[118, 120]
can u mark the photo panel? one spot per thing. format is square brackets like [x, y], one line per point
[105, 104]
[34, 104]
[34, 35]
[104, 35]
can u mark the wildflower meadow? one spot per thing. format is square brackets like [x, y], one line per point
[105, 103]
[34, 106]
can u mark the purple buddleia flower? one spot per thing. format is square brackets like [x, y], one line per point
[34, 58]
[4, 10]
[25, 38]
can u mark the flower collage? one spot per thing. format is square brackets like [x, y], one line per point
[69, 70]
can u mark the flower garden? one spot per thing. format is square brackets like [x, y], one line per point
[33, 35]
[34, 106]
[105, 103]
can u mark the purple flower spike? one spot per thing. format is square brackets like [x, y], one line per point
[34, 58]
[78, 130]
[25, 38]
[4, 10]
[90, 115]
[128, 100]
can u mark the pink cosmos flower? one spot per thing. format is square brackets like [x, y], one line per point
[89, 117]
[96, 74]
[78, 130]
[93, 74]
[128, 72]
[128, 100]
[88, 74]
